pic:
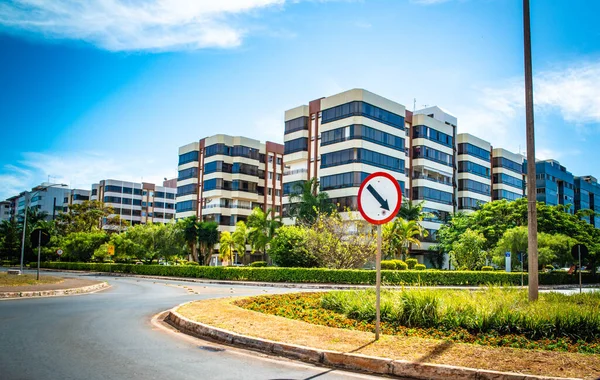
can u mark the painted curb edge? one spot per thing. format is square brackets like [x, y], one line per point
[56, 292]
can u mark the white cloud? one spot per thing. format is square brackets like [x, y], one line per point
[127, 25]
[80, 170]
[497, 113]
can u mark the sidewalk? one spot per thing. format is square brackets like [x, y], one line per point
[66, 287]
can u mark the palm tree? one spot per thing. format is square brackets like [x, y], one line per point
[208, 236]
[190, 234]
[412, 211]
[226, 247]
[400, 234]
[262, 229]
[240, 237]
[306, 202]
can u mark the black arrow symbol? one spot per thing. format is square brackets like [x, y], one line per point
[374, 193]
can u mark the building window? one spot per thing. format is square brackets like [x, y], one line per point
[186, 206]
[112, 189]
[192, 188]
[279, 160]
[188, 157]
[185, 174]
[470, 149]
[504, 194]
[474, 186]
[343, 180]
[292, 187]
[465, 203]
[297, 145]
[508, 180]
[426, 152]
[502, 162]
[433, 195]
[364, 156]
[298, 124]
[362, 132]
[473, 168]
[359, 108]
[425, 132]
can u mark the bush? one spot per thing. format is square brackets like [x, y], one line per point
[420, 267]
[258, 264]
[401, 265]
[331, 276]
[487, 269]
[411, 263]
[191, 263]
[388, 264]
[549, 267]
[288, 248]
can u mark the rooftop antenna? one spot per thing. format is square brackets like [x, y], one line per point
[414, 104]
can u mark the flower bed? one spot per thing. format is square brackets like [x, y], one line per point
[556, 322]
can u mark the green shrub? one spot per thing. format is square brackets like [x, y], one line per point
[289, 249]
[191, 263]
[420, 267]
[487, 269]
[331, 276]
[401, 265]
[388, 264]
[257, 264]
[549, 267]
[411, 263]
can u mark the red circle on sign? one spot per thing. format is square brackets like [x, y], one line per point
[361, 188]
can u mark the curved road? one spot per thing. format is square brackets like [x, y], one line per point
[108, 335]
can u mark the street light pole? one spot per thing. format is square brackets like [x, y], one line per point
[532, 258]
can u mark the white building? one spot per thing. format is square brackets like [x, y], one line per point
[474, 178]
[507, 175]
[137, 202]
[223, 178]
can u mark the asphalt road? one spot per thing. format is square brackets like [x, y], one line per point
[108, 335]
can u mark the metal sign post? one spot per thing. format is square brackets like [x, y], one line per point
[579, 252]
[378, 205]
[39, 254]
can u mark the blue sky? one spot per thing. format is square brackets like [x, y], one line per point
[111, 89]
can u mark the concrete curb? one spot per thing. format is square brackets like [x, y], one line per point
[296, 285]
[356, 362]
[56, 292]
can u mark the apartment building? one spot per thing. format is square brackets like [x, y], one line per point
[554, 184]
[136, 202]
[78, 196]
[507, 175]
[587, 197]
[49, 200]
[223, 178]
[432, 167]
[474, 166]
[5, 210]
[340, 140]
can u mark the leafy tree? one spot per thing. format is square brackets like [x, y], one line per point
[468, 250]
[398, 235]
[289, 248]
[240, 237]
[80, 246]
[87, 217]
[341, 244]
[153, 241]
[208, 236]
[189, 226]
[514, 240]
[10, 239]
[262, 229]
[226, 247]
[410, 210]
[306, 202]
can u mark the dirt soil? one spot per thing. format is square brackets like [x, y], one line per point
[66, 283]
[223, 314]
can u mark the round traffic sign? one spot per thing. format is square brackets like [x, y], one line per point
[59, 252]
[379, 198]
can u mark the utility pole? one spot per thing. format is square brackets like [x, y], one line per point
[532, 258]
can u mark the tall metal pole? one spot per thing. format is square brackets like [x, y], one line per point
[24, 229]
[39, 252]
[579, 254]
[378, 284]
[532, 259]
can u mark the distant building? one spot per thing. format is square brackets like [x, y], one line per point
[554, 184]
[137, 202]
[474, 180]
[5, 210]
[50, 200]
[507, 175]
[587, 197]
[223, 178]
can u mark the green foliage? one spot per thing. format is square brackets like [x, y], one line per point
[289, 248]
[487, 268]
[467, 251]
[411, 263]
[226, 247]
[262, 229]
[85, 217]
[398, 235]
[10, 239]
[193, 263]
[207, 238]
[307, 202]
[400, 265]
[420, 267]
[80, 246]
[497, 311]
[333, 276]
[239, 237]
[549, 267]
[388, 264]
[258, 264]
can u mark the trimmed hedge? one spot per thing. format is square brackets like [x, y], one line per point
[330, 276]
[258, 264]
[487, 268]
[420, 267]
[411, 263]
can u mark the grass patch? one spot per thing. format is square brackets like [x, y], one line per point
[26, 279]
[494, 317]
